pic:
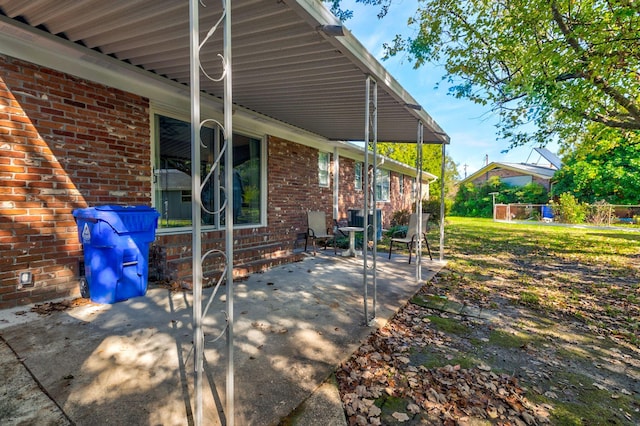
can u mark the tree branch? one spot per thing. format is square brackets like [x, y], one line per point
[598, 81]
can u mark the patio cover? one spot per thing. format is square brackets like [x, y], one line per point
[284, 66]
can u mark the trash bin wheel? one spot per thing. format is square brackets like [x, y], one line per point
[84, 287]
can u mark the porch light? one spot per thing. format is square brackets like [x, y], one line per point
[332, 30]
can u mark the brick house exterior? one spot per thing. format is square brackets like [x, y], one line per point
[513, 172]
[70, 143]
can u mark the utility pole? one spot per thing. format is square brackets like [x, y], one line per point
[465, 170]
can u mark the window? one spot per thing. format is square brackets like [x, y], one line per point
[358, 176]
[323, 169]
[382, 185]
[517, 181]
[172, 176]
[401, 184]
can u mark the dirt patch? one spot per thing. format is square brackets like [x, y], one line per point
[50, 307]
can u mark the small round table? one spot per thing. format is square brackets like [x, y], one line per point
[351, 251]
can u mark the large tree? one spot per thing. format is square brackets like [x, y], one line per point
[431, 162]
[557, 64]
[605, 168]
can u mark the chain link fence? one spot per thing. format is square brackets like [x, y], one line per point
[600, 214]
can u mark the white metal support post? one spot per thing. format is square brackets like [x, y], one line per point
[419, 201]
[196, 243]
[228, 125]
[336, 185]
[211, 178]
[365, 192]
[374, 199]
[442, 167]
[370, 135]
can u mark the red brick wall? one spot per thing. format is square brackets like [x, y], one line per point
[65, 143]
[292, 190]
[350, 198]
[68, 143]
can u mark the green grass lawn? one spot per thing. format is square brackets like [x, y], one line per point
[589, 274]
[552, 312]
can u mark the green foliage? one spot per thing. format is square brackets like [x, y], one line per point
[475, 201]
[569, 209]
[400, 217]
[432, 206]
[431, 162]
[397, 230]
[555, 64]
[607, 167]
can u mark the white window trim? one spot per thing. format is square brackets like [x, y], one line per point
[358, 186]
[328, 183]
[388, 175]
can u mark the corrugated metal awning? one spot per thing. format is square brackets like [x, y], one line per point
[284, 66]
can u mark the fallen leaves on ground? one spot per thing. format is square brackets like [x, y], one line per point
[382, 368]
[49, 307]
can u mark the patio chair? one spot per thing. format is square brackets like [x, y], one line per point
[317, 230]
[409, 239]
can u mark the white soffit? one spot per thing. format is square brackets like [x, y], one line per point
[283, 66]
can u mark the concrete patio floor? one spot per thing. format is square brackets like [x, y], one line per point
[132, 362]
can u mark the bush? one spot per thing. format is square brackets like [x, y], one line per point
[400, 217]
[569, 209]
[400, 229]
[478, 202]
[433, 207]
[600, 213]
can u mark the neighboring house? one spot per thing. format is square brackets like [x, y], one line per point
[520, 174]
[94, 109]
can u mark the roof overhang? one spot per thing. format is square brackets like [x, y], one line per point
[284, 67]
[541, 172]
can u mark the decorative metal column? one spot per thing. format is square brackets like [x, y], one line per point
[442, 168]
[196, 243]
[370, 135]
[198, 184]
[419, 201]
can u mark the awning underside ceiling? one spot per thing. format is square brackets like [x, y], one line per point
[282, 65]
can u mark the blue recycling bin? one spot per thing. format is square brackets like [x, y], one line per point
[115, 241]
[547, 212]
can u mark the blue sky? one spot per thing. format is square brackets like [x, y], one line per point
[470, 126]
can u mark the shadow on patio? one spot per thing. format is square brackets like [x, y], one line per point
[132, 362]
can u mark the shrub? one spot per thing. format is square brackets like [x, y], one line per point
[400, 229]
[400, 217]
[433, 206]
[569, 209]
[600, 213]
[478, 202]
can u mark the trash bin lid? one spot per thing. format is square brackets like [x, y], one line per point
[123, 219]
